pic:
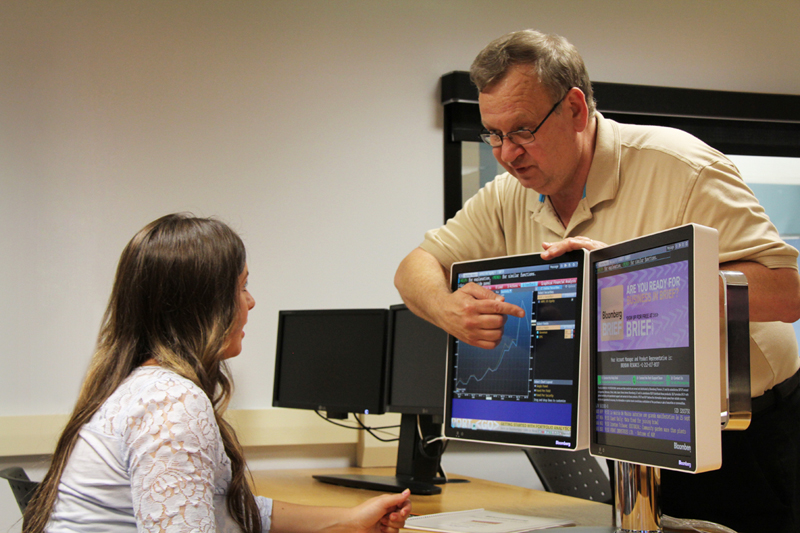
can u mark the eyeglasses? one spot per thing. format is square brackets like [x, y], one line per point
[519, 137]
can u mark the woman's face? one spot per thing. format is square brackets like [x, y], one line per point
[245, 303]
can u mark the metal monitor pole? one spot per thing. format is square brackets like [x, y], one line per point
[637, 502]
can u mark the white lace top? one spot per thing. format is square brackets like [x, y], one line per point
[150, 459]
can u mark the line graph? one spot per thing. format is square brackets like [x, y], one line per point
[505, 369]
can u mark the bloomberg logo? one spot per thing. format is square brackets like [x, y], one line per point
[562, 443]
[684, 463]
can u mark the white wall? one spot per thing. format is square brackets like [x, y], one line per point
[313, 127]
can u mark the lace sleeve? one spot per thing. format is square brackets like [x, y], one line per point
[265, 508]
[175, 451]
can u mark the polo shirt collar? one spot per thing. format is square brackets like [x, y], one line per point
[542, 196]
[602, 183]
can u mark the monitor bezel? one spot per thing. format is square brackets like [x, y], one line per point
[580, 418]
[335, 409]
[704, 338]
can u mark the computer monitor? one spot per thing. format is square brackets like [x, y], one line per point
[531, 390]
[331, 360]
[417, 354]
[335, 361]
[654, 350]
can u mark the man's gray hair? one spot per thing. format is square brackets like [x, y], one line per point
[552, 58]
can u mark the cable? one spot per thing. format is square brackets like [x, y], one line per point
[334, 423]
[690, 524]
[370, 430]
[395, 426]
[424, 442]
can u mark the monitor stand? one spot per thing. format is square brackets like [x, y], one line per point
[637, 506]
[418, 466]
[380, 483]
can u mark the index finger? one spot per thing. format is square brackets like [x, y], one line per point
[498, 307]
[488, 302]
[480, 292]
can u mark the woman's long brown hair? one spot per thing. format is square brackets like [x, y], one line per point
[175, 299]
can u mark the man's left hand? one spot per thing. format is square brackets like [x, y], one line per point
[556, 249]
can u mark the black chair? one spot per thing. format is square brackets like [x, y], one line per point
[21, 485]
[575, 474]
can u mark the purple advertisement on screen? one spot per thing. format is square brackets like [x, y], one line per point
[644, 309]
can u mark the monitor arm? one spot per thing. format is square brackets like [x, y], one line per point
[734, 344]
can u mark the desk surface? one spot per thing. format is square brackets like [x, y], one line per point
[297, 486]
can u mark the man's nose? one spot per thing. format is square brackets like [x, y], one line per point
[509, 151]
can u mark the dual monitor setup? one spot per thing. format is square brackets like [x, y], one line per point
[618, 352]
[369, 361]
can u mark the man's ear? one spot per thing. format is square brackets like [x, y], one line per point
[575, 104]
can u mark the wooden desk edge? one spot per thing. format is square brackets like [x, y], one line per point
[297, 486]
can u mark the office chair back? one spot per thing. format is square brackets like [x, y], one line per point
[575, 474]
[21, 486]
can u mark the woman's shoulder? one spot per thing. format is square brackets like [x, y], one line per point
[153, 384]
[156, 378]
[151, 393]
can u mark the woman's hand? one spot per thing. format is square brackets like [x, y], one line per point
[382, 514]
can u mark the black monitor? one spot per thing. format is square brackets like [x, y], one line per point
[335, 361]
[331, 360]
[417, 354]
[654, 352]
[531, 389]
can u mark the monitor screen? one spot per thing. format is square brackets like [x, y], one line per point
[331, 360]
[530, 389]
[654, 352]
[417, 354]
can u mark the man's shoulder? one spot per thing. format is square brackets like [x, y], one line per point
[647, 140]
[504, 185]
[503, 180]
[504, 194]
[644, 134]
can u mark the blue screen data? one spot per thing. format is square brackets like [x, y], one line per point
[503, 370]
[527, 385]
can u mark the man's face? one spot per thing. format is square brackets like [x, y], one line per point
[520, 101]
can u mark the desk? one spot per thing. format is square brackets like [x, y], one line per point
[297, 486]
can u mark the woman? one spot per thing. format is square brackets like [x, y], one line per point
[146, 447]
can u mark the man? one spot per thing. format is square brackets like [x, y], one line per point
[577, 180]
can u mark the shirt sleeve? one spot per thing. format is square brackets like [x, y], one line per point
[174, 452]
[720, 199]
[265, 508]
[476, 231]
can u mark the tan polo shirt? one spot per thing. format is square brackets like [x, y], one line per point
[643, 179]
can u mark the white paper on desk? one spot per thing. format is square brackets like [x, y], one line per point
[482, 521]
